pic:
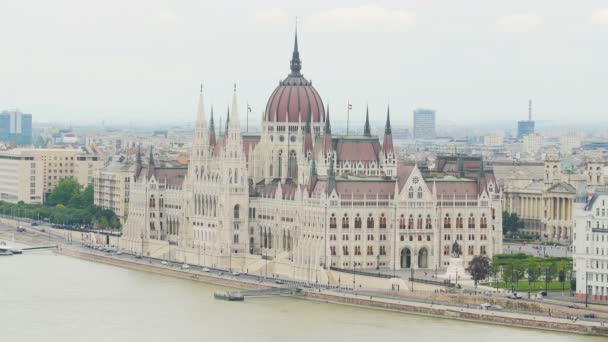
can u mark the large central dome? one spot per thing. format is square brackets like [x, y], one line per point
[295, 97]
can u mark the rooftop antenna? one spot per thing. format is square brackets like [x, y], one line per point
[529, 110]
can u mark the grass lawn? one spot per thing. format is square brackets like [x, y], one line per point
[536, 286]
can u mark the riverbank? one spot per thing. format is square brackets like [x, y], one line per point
[402, 302]
[367, 301]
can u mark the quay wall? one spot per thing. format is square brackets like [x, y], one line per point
[209, 278]
[474, 315]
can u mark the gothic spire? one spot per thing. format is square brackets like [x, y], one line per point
[227, 120]
[331, 177]
[151, 158]
[296, 64]
[138, 158]
[211, 123]
[308, 119]
[313, 168]
[366, 130]
[387, 128]
[200, 112]
[327, 123]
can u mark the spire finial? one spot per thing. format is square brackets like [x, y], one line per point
[387, 128]
[296, 64]
[327, 122]
[138, 160]
[211, 123]
[235, 87]
[201, 87]
[367, 130]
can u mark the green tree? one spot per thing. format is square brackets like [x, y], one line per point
[533, 272]
[64, 192]
[479, 268]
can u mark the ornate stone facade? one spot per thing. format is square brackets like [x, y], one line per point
[296, 200]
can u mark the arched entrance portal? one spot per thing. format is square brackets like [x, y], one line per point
[423, 258]
[406, 258]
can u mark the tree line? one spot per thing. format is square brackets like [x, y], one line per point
[68, 204]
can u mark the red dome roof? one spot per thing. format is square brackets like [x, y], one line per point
[295, 97]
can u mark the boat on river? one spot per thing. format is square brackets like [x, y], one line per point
[229, 296]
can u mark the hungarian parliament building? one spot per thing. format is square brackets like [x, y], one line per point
[295, 198]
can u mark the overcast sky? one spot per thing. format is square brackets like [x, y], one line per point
[141, 61]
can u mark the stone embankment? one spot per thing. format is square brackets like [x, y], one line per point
[366, 300]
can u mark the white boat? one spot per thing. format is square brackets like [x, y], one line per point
[4, 250]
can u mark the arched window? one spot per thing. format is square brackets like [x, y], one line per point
[483, 222]
[419, 192]
[345, 221]
[410, 222]
[429, 223]
[370, 221]
[357, 221]
[471, 221]
[402, 222]
[332, 221]
[382, 221]
[447, 221]
[410, 193]
[419, 222]
[459, 221]
[237, 211]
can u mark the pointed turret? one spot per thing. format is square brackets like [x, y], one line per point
[151, 157]
[387, 145]
[200, 112]
[227, 121]
[366, 129]
[331, 177]
[212, 139]
[295, 64]
[313, 177]
[138, 158]
[308, 141]
[233, 124]
[327, 143]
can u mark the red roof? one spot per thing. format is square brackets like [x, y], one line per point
[357, 149]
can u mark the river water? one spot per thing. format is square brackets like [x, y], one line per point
[49, 297]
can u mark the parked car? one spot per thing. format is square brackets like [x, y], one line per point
[514, 295]
[589, 315]
[21, 230]
[185, 266]
[542, 293]
[236, 274]
[164, 263]
[34, 224]
[205, 269]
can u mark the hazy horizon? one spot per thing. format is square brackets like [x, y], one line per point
[142, 61]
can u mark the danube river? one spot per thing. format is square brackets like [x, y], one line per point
[48, 297]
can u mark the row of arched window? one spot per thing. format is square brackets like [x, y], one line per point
[370, 222]
[420, 223]
[447, 221]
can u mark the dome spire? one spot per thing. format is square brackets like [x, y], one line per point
[296, 64]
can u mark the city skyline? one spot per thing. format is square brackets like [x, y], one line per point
[93, 64]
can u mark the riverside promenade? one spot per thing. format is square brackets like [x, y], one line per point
[361, 298]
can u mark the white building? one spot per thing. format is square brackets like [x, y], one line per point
[591, 248]
[301, 202]
[21, 177]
